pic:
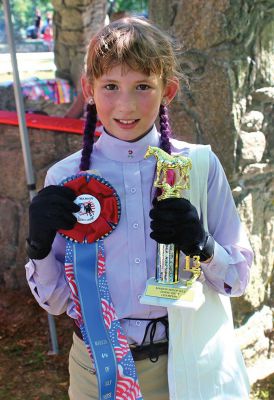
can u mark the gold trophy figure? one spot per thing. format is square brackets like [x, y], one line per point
[168, 287]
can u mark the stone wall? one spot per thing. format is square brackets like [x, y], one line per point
[75, 21]
[253, 189]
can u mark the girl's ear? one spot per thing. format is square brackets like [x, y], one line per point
[170, 90]
[86, 88]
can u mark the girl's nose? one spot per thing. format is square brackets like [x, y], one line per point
[126, 102]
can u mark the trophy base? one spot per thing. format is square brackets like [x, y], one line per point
[175, 295]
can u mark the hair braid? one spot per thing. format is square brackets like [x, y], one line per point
[165, 135]
[88, 139]
[164, 129]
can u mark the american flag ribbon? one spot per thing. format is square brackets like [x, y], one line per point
[126, 385]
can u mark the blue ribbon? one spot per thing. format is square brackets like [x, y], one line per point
[97, 334]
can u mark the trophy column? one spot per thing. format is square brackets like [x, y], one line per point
[167, 263]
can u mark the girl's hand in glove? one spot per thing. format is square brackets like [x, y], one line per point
[51, 209]
[175, 220]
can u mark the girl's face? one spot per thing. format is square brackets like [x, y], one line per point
[128, 101]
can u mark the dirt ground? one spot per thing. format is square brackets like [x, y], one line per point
[27, 370]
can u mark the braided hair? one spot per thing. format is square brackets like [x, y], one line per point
[165, 130]
[88, 138]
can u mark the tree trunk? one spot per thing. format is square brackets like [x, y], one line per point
[75, 21]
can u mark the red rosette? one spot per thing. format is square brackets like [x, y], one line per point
[110, 208]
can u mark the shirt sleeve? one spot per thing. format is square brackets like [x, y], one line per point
[47, 280]
[229, 270]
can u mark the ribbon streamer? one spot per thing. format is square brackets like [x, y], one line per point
[96, 316]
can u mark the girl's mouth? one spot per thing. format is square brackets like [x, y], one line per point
[126, 123]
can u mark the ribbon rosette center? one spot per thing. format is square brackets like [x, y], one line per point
[99, 208]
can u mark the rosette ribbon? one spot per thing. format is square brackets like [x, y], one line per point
[86, 274]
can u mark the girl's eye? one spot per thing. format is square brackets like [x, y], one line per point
[143, 86]
[111, 86]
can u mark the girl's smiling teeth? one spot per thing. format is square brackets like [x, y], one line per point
[126, 121]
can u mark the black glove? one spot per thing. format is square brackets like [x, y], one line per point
[50, 210]
[176, 221]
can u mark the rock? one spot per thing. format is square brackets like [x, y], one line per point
[260, 370]
[261, 169]
[7, 99]
[71, 38]
[252, 121]
[264, 95]
[10, 277]
[256, 213]
[265, 53]
[251, 336]
[251, 147]
[71, 14]
[13, 186]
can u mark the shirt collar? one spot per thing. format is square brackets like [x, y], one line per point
[119, 150]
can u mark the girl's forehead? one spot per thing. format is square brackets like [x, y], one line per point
[123, 72]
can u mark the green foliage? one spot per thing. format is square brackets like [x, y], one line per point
[138, 6]
[23, 13]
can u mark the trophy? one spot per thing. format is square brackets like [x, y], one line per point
[170, 286]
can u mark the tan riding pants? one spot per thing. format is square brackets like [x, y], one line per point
[83, 381]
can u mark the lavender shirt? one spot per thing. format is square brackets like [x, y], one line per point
[130, 252]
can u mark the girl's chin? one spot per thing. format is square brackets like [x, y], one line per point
[127, 135]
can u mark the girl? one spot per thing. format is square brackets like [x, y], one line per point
[131, 75]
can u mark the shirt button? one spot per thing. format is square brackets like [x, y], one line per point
[137, 260]
[133, 190]
[135, 225]
[138, 323]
